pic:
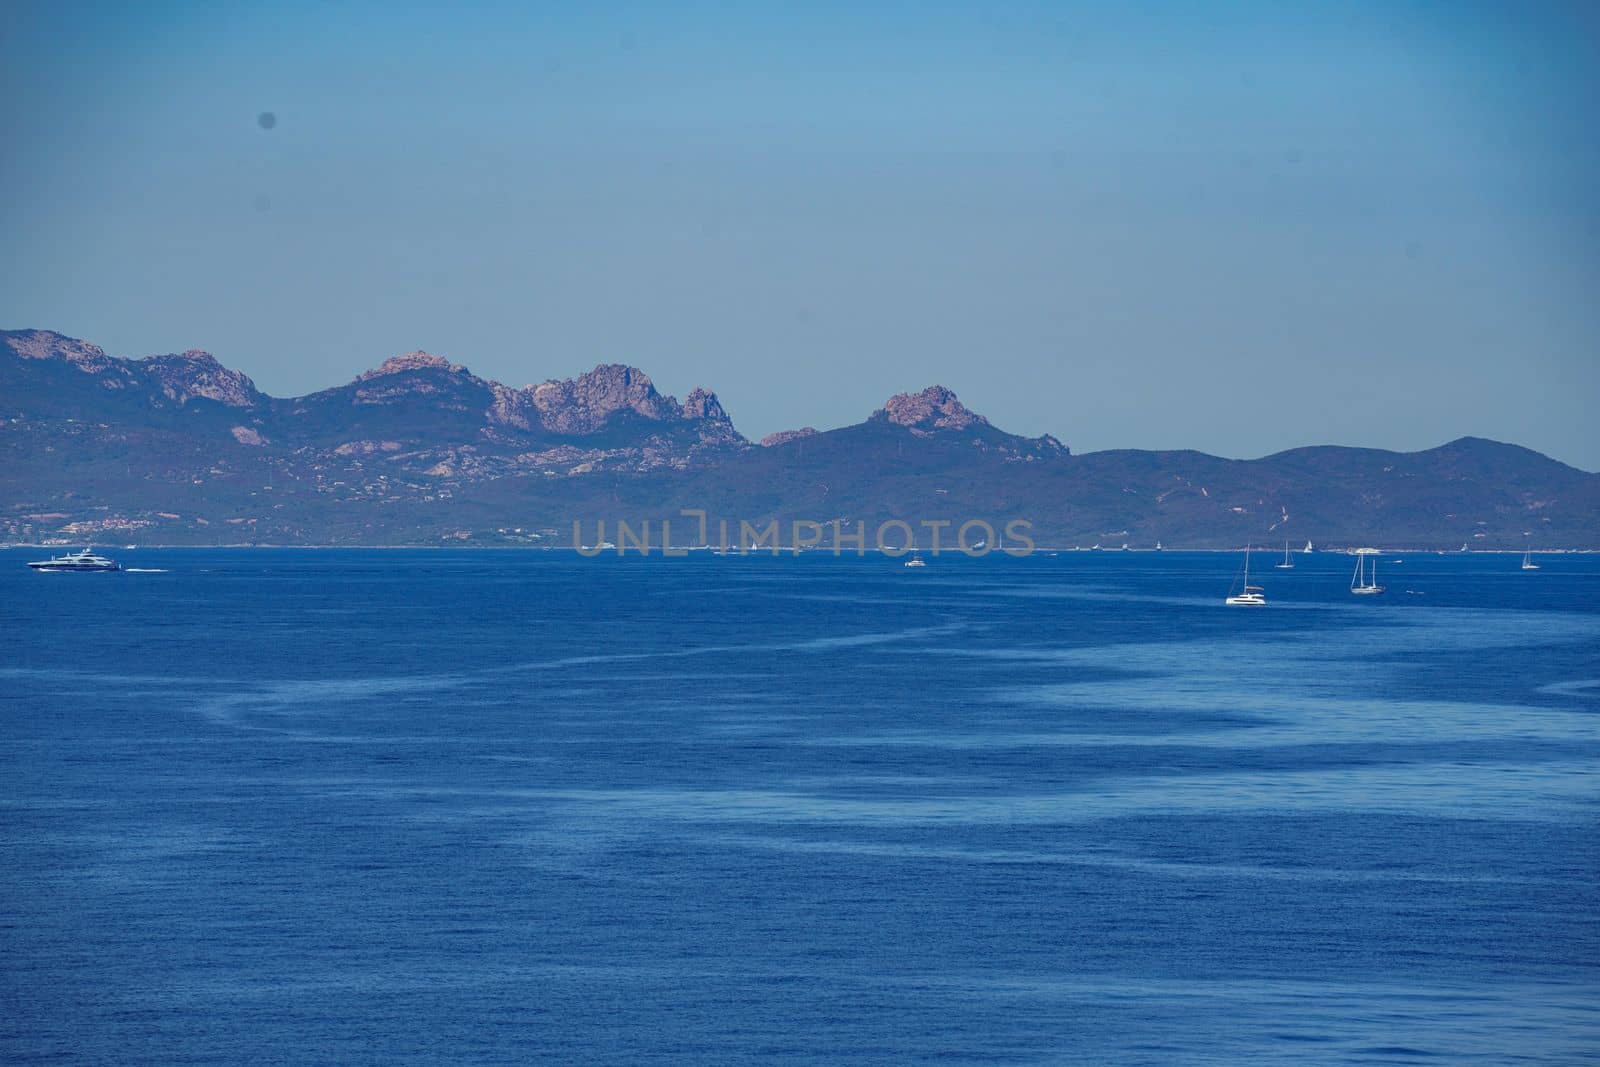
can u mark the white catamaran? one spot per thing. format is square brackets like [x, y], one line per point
[1251, 596]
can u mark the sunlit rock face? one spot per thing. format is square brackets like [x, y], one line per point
[584, 404]
[179, 378]
[935, 408]
[783, 437]
[47, 344]
[196, 374]
[715, 426]
[420, 374]
[409, 362]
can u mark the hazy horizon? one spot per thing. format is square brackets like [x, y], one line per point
[1239, 228]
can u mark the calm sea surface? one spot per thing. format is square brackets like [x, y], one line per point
[364, 806]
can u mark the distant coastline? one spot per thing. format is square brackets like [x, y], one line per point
[180, 449]
[782, 552]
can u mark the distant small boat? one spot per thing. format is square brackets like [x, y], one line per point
[1360, 584]
[1306, 551]
[1287, 564]
[1251, 596]
[1527, 561]
[77, 561]
[916, 561]
[1158, 546]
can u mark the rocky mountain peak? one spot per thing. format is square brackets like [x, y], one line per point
[703, 404]
[197, 373]
[785, 436]
[583, 404]
[935, 408]
[47, 344]
[409, 362]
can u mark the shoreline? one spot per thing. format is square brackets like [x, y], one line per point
[682, 551]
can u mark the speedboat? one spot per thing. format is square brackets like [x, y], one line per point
[915, 561]
[77, 561]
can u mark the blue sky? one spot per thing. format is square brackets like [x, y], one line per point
[1234, 227]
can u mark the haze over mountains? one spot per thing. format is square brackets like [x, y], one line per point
[179, 449]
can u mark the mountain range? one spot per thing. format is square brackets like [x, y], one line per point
[180, 449]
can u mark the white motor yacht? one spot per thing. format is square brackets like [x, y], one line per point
[77, 561]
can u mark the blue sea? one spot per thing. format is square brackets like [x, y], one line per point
[513, 806]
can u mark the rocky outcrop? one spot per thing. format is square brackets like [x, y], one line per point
[937, 411]
[783, 437]
[196, 374]
[715, 427]
[409, 362]
[514, 407]
[400, 378]
[366, 448]
[575, 407]
[935, 408]
[703, 404]
[583, 404]
[47, 344]
[178, 378]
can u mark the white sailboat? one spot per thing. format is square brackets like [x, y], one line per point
[1306, 551]
[1251, 596]
[1360, 584]
[1527, 561]
[1287, 564]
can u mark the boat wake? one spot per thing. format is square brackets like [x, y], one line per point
[144, 570]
